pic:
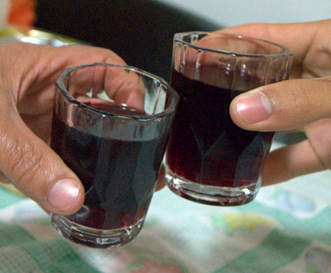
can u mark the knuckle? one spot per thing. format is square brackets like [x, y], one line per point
[303, 101]
[25, 162]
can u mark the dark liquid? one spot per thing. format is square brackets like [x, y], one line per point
[205, 146]
[118, 176]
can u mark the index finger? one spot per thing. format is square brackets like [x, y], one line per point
[105, 82]
[298, 37]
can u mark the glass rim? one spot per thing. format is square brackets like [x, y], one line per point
[60, 84]
[178, 37]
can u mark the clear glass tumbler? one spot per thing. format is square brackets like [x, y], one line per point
[110, 126]
[209, 159]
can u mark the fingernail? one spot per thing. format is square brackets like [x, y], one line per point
[254, 107]
[63, 194]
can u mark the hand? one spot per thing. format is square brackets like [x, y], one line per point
[302, 103]
[27, 77]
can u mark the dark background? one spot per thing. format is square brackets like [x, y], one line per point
[140, 31]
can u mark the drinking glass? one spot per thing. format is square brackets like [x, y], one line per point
[209, 159]
[110, 126]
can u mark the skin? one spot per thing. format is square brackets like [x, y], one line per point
[27, 81]
[299, 104]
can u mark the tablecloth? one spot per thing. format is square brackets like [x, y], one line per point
[287, 228]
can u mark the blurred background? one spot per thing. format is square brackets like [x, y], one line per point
[230, 13]
[141, 31]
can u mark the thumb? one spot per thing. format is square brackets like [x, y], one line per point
[283, 106]
[35, 169]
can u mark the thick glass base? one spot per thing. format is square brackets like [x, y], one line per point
[211, 195]
[95, 238]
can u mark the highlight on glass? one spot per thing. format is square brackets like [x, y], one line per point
[209, 159]
[110, 126]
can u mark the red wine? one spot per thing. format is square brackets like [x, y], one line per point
[118, 176]
[205, 146]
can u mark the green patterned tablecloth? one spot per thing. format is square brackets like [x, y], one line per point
[286, 229]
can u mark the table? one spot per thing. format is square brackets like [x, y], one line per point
[287, 228]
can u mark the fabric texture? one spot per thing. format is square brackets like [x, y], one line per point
[286, 229]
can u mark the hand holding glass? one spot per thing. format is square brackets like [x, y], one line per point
[110, 126]
[209, 159]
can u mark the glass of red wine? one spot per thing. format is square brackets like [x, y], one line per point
[209, 159]
[110, 126]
